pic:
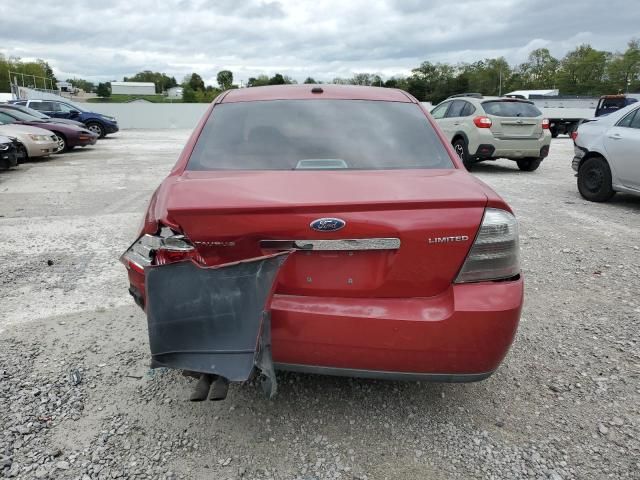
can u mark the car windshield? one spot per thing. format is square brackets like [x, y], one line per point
[509, 108]
[69, 107]
[318, 134]
[19, 115]
[32, 112]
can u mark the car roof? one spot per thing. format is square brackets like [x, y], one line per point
[304, 92]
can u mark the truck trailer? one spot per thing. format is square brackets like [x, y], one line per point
[566, 112]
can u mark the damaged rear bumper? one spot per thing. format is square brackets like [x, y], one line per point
[212, 320]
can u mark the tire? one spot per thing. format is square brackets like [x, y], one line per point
[460, 147]
[529, 164]
[554, 132]
[62, 143]
[594, 180]
[23, 155]
[96, 128]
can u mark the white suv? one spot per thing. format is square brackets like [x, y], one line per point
[486, 128]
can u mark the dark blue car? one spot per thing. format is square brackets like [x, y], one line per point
[96, 122]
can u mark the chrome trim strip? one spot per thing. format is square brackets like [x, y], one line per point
[384, 375]
[333, 245]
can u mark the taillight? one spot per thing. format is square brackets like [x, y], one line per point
[482, 122]
[574, 135]
[495, 251]
[545, 124]
[167, 247]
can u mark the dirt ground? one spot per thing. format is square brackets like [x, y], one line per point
[564, 405]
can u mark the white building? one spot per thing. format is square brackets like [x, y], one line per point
[133, 88]
[175, 92]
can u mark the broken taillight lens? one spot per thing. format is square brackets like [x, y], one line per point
[166, 247]
[495, 251]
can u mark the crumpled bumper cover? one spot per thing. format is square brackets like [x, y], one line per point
[212, 319]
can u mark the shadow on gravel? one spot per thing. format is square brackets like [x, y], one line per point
[490, 167]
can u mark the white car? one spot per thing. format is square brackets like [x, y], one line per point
[486, 128]
[606, 155]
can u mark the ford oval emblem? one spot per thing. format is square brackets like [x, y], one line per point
[327, 224]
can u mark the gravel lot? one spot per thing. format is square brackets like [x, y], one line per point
[564, 405]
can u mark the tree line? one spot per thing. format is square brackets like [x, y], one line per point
[38, 69]
[582, 71]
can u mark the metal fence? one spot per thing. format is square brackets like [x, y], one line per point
[151, 115]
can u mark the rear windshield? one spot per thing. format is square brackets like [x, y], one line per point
[502, 108]
[318, 134]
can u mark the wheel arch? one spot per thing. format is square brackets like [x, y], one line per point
[593, 154]
[460, 135]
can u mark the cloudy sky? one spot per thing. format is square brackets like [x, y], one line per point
[320, 38]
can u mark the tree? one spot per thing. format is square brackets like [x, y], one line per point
[310, 80]
[542, 69]
[582, 71]
[623, 70]
[104, 90]
[194, 81]
[259, 81]
[225, 79]
[277, 79]
[37, 74]
[188, 94]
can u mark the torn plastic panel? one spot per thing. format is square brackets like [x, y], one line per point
[213, 320]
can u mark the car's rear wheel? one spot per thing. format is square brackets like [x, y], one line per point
[62, 143]
[594, 180]
[460, 147]
[529, 164]
[96, 128]
[554, 132]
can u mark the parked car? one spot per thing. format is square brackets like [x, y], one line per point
[606, 155]
[385, 257]
[98, 123]
[40, 115]
[8, 152]
[486, 128]
[68, 136]
[32, 142]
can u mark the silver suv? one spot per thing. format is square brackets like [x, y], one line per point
[486, 128]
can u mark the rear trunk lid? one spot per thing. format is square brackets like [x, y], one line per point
[407, 232]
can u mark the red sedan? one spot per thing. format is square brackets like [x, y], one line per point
[326, 229]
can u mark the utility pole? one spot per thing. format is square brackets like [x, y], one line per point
[500, 84]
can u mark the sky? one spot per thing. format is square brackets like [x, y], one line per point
[324, 39]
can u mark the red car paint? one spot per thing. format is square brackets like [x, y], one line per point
[381, 311]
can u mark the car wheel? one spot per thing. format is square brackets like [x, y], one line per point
[96, 128]
[554, 132]
[62, 143]
[594, 180]
[22, 153]
[529, 164]
[460, 147]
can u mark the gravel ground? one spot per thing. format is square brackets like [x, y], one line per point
[78, 401]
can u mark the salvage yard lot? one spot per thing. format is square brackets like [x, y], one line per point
[565, 404]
